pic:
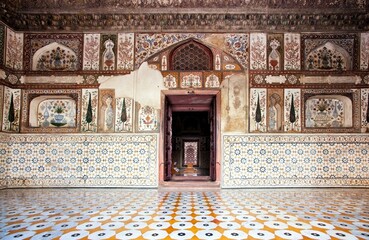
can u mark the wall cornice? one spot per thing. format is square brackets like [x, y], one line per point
[185, 16]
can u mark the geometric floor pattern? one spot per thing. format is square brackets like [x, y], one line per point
[159, 214]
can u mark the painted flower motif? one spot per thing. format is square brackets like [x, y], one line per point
[258, 79]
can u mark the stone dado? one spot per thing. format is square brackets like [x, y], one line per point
[295, 161]
[131, 160]
[78, 160]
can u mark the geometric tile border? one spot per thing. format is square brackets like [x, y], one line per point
[78, 160]
[295, 161]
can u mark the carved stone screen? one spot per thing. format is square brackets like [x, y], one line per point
[191, 56]
[190, 153]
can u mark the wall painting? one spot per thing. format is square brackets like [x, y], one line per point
[107, 110]
[14, 50]
[292, 48]
[52, 111]
[258, 51]
[91, 54]
[258, 105]
[90, 100]
[125, 51]
[124, 114]
[364, 51]
[11, 110]
[292, 110]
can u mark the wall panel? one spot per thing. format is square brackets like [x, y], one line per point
[78, 160]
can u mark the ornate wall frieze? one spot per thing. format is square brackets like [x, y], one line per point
[189, 21]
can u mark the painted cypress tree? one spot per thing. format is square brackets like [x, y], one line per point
[11, 114]
[367, 111]
[89, 112]
[258, 112]
[292, 112]
[123, 115]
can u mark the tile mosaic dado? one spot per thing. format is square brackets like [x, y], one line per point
[78, 160]
[160, 214]
[293, 160]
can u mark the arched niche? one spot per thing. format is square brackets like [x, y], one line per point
[328, 56]
[52, 111]
[328, 111]
[54, 57]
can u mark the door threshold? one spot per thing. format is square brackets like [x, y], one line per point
[186, 178]
[189, 185]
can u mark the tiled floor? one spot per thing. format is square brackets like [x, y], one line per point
[160, 214]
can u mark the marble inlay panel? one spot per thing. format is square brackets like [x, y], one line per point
[78, 160]
[292, 160]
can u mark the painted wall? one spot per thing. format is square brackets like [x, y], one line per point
[294, 107]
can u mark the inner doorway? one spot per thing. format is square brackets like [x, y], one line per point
[190, 145]
[190, 137]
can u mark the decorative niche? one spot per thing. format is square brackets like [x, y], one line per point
[51, 111]
[328, 110]
[55, 57]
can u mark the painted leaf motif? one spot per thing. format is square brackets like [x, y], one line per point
[123, 116]
[258, 111]
[89, 110]
[11, 114]
[367, 111]
[292, 111]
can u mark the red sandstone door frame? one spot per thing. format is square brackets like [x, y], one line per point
[166, 131]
